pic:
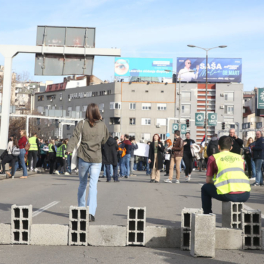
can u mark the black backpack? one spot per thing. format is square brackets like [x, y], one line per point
[212, 148]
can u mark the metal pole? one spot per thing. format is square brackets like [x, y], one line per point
[7, 86]
[180, 102]
[206, 84]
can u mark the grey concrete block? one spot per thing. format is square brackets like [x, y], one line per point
[262, 238]
[203, 235]
[228, 238]
[231, 214]
[186, 216]
[5, 234]
[163, 237]
[107, 236]
[186, 239]
[49, 235]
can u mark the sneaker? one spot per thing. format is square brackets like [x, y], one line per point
[152, 180]
[190, 176]
[66, 173]
[57, 172]
[168, 181]
[133, 175]
[255, 184]
[177, 181]
[36, 170]
[252, 179]
[126, 176]
[187, 179]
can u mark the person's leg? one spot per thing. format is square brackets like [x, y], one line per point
[22, 161]
[35, 159]
[153, 172]
[171, 168]
[131, 164]
[92, 196]
[69, 163]
[83, 174]
[157, 171]
[190, 165]
[253, 168]
[128, 156]
[147, 167]
[178, 167]
[58, 164]
[238, 198]
[186, 162]
[209, 192]
[261, 176]
[29, 159]
[13, 164]
[115, 171]
[111, 170]
[258, 163]
[107, 169]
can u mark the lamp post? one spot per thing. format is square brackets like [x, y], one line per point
[206, 81]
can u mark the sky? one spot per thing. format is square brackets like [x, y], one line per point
[145, 29]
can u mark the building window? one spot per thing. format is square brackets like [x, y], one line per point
[162, 106]
[69, 111]
[146, 106]
[162, 91]
[114, 105]
[132, 121]
[68, 127]
[186, 109]
[94, 93]
[114, 121]
[161, 121]
[101, 107]
[162, 136]
[40, 109]
[101, 92]
[186, 96]
[41, 98]
[84, 108]
[229, 109]
[145, 121]
[88, 94]
[145, 136]
[51, 97]
[78, 109]
[109, 91]
[60, 96]
[132, 106]
[229, 97]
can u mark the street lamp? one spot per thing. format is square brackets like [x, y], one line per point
[221, 47]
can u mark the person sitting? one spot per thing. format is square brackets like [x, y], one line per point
[225, 178]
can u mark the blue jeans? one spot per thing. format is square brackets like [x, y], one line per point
[253, 167]
[209, 192]
[69, 163]
[94, 169]
[22, 162]
[111, 170]
[258, 164]
[125, 165]
[148, 171]
[182, 165]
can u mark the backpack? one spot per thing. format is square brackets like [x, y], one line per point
[121, 151]
[212, 148]
[15, 151]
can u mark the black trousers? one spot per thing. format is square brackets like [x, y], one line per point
[52, 161]
[43, 161]
[167, 164]
[60, 163]
[32, 154]
[188, 160]
[249, 167]
[9, 159]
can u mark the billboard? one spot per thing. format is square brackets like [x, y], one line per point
[143, 67]
[219, 70]
[260, 98]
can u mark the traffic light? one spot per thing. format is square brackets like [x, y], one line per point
[187, 122]
[223, 125]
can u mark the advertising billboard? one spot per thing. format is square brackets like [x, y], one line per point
[260, 100]
[219, 70]
[143, 67]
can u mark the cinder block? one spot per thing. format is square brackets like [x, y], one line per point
[5, 234]
[163, 237]
[186, 216]
[107, 236]
[203, 235]
[186, 239]
[228, 238]
[49, 235]
[78, 226]
[136, 225]
[262, 238]
[21, 221]
[231, 215]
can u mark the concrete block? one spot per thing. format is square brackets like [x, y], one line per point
[107, 236]
[186, 216]
[231, 214]
[163, 237]
[262, 238]
[203, 235]
[49, 235]
[186, 239]
[228, 238]
[5, 234]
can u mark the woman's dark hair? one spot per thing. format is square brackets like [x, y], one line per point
[131, 138]
[15, 142]
[93, 114]
[154, 136]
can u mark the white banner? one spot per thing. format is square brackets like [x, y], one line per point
[142, 151]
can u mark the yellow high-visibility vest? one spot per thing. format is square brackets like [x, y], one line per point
[231, 176]
[33, 143]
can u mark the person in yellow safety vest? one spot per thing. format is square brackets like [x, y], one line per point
[61, 158]
[33, 151]
[52, 156]
[225, 178]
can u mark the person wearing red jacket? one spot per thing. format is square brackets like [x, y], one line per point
[22, 143]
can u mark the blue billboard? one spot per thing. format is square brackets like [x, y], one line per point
[147, 67]
[219, 70]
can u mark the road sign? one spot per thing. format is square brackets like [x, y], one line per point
[260, 98]
[199, 119]
[175, 126]
[183, 128]
[245, 125]
[212, 119]
[259, 125]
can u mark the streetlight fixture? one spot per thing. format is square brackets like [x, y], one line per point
[206, 82]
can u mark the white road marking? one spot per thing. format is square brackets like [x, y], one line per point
[39, 211]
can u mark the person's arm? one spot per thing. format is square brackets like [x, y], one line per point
[135, 146]
[161, 147]
[106, 135]
[53, 148]
[180, 147]
[63, 151]
[209, 179]
[239, 142]
[257, 146]
[211, 170]
[75, 137]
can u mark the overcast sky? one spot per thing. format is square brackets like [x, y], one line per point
[145, 28]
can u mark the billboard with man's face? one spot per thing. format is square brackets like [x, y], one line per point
[143, 67]
[219, 70]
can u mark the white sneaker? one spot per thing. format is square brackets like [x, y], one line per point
[190, 176]
[168, 181]
[177, 181]
[57, 172]
[36, 170]
[252, 179]
[66, 173]
[187, 179]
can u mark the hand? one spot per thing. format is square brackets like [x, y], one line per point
[184, 143]
[235, 136]
[63, 158]
[68, 153]
[149, 161]
[159, 145]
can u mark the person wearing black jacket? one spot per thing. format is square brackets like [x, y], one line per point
[187, 156]
[237, 142]
[109, 157]
[156, 150]
[258, 157]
